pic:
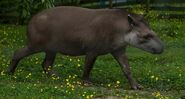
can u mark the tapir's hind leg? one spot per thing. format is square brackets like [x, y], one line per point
[48, 62]
[89, 62]
[18, 55]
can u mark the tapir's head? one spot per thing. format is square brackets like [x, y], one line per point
[142, 36]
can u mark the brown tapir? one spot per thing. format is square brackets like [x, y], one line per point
[79, 31]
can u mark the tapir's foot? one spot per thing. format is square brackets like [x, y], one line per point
[52, 74]
[137, 86]
[87, 82]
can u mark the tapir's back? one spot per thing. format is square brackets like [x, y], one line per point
[70, 18]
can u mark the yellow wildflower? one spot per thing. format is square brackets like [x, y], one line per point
[156, 78]
[152, 76]
[78, 65]
[118, 82]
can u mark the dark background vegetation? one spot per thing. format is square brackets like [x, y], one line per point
[20, 11]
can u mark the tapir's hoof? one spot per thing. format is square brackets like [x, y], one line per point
[9, 72]
[52, 73]
[87, 83]
[137, 87]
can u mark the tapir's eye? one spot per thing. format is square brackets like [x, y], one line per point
[145, 38]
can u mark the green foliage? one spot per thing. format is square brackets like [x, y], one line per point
[8, 11]
[27, 8]
[20, 11]
[13, 11]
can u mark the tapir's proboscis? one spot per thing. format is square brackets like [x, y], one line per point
[79, 31]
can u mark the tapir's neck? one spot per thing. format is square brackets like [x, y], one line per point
[131, 37]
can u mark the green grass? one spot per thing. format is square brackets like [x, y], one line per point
[163, 76]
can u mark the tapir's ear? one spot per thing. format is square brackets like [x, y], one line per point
[131, 20]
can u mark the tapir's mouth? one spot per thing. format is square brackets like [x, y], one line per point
[155, 51]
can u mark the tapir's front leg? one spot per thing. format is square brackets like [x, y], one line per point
[121, 58]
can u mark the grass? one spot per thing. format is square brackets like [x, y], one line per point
[162, 76]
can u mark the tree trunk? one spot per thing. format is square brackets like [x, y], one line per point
[147, 6]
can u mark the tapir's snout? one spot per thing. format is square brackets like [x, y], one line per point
[154, 46]
[157, 46]
[158, 50]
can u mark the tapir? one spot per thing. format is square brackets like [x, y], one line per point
[76, 31]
